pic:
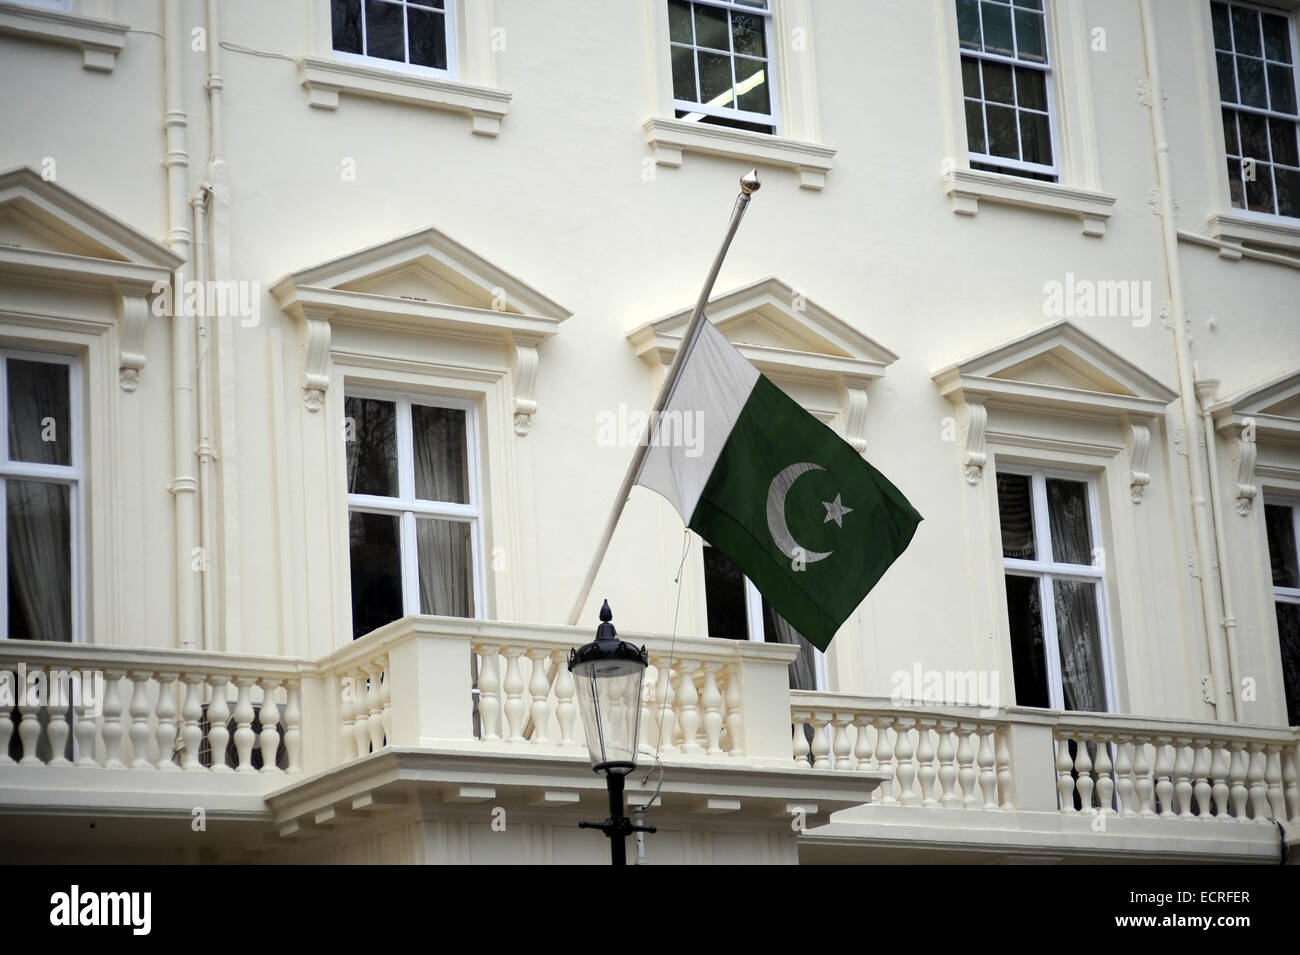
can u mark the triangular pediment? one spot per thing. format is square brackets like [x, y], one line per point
[779, 329]
[39, 218]
[1273, 406]
[427, 267]
[1057, 364]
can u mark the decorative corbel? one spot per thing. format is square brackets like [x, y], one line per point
[973, 457]
[1139, 448]
[525, 380]
[1246, 488]
[855, 416]
[134, 316]
[316, 348]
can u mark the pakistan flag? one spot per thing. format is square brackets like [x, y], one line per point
[793, 505]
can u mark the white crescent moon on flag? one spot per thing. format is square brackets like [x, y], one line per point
[776, 523]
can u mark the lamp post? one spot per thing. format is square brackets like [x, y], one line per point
[608, 674]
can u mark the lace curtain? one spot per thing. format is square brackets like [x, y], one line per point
[443, 545]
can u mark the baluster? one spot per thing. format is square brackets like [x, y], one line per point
[218, 718]
[1221, 770]
[1273, 780]
[57, 729]
[966, 773]
[1124, 775]
[514, 687]
[821, 746]
[667, 705]
[375, 707]
[884, 759]
[165, 730]
[1105, 779]
[688, 717]
[191, 714]
[385, 700]
[864, 750]
[269, 716]
[712, 701]
[675, 681]
[244, 714]
[1005, 788]
[950, 797]
[1183, 763]
[735, 716]
[348, 703]
[565, 692]
[1201, 777]
[140, 719]
[801, 749]
[1290, 783]
[1255, 777]
[539, 688]
[649, 687]
[1164, 776]
[1237, 777]
[293, 728]
[906, 755]
[841, 748]
[1145, 783]
[361, 710]
[1083, 772]
[926, 772]
[1064, 781]
[489, 685]
[6, 720]
[985, 760]
[84, 727]
[29, 727]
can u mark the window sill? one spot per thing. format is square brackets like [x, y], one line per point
[966, 187]
[1276, 232]
[99, 40]
[324, 80]
[672, 137]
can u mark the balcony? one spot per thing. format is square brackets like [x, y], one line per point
[439, 721]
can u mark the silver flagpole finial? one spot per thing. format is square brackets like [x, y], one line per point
[749, 183]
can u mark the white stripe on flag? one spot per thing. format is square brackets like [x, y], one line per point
[713, 386]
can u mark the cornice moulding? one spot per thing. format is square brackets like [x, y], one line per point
[966, 187]
[670, 138]
[98, 40]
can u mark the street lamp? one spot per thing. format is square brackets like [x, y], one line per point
[608, 674]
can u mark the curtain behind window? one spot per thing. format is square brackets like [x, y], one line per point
[803, 672]
[443, 545]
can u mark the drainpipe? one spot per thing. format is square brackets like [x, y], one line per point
[184, 486]
[199, 206]
[1206, 391]
[1204, 538]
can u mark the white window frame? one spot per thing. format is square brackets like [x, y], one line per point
[406, 506]
[695, 109]
[1047, 68]
[1287, 595]
[1045, 571]
[415, 69]
[71, 475]
[1291, 16]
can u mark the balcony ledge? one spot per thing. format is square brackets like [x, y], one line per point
[966, 187]
[672, 137]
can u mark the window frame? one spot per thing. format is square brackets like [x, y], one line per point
[1047, 68]
[1045, 572]
[406, 506]
[414, 69]
[773, 116]
[1290, 595]
[72, 475]
[1292, 15]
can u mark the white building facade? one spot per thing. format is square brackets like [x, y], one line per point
[327, 329]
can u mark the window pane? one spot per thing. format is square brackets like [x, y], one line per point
[1288, 191]
[997, 83]
[1283, 138]
[1002, 131]
[376, 570]
[1230, 132]
[1281, 544]
[1245, 31]
[711, 27]
[39, 423]
[1031, 89]
[724, 596]
[39, 520]
[428, 37]
[679, 21]
[1227, 78]
[345, 17]
[384, 34]
[803, 669]
[997, 29]
[748, 34]
[1250, 75]
[1254, 136]
[1016, 516]
[1288, 635]
[970, 77]
[1035, 138]
[968, 23]
[370, 433]
[445, 557]
[1259, 193]
[1235, 187]
[441, 462]
[1222, 37]
[715, 79]
[974, 127]
[751, 83]
[1281, 88]
[1277, 42]
[1079, 639]
[1067, 518]
[1029, 36]
[1028, 655]
[684, 73]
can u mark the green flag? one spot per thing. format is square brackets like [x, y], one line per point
[792, 504]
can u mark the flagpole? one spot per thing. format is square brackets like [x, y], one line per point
[748, 186]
